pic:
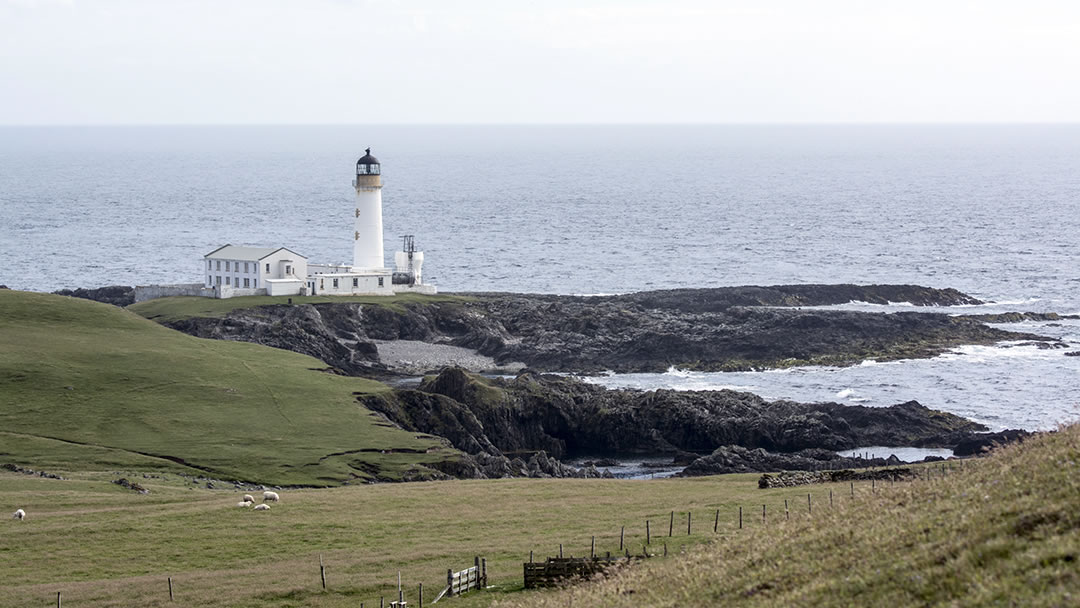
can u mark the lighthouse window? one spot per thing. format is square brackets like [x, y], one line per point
[361, 169]
[374, 169]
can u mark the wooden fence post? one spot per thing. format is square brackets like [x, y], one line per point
[787, 514]
[873, 486]
[809, 509]
[560, 549]
[483, 572]
[763, 515]
[830, 498]
[671, 524]
[853, 489]
[665, 549]
[716, 522]
[170, 590]
[421, 602]
[322, 572]
[58, 600]
[449, 582]
[622, 533]
[530, 556]
[592, 547]
[648, 534]
[381, 602]
[740, 518]
[688, 523]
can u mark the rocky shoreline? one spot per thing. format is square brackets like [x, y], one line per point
[499, 422]
[721, 329]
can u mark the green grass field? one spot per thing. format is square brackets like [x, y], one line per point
[102, 545]
[94, 387]
[164, 310]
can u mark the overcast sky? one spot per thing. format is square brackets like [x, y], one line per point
[342, 61]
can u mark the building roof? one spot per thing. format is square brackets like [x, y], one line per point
[367, 158]
[236, 252]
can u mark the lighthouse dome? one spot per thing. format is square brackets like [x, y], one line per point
[367, 158]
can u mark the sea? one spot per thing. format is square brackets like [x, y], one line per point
[991, 210]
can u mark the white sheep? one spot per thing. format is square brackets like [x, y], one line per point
[243, 503]
[262, 507]
[270, 496]
[19, 514]
[249, 498]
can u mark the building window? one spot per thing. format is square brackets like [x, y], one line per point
[209, 280]
[227, 279]
[226, 266]
[209, 265]
[255, 283]
[245, 267]
[355, 282]
[380, 281]
[268, 268]
[335, 283]
[288, 269]
[322, 285]
[247, 282]
[219, 264]
[219, 280]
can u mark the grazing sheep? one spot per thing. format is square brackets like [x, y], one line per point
[271, 497]
[263, 507]
[243, 503]
[19, 514]
[249, 498]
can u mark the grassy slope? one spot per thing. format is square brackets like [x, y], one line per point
[164, 310]
[1003, 533]
[88, 386]
[220, 555]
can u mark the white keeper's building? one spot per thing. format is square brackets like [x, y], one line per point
[232, 270]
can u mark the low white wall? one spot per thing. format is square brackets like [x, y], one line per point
[150, 292]
[228, 291]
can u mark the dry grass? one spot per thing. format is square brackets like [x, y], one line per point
[1003, 533]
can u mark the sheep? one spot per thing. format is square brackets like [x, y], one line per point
[262, 507]
[270, 496]
[243, 503]
[19, 515]
[249, 498]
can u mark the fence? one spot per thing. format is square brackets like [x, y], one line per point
[555, 570]
[465, 580]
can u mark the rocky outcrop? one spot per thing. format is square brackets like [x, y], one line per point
[978, 444]
[562, 416]
[703, 329]
[117, 295]
[738, 459]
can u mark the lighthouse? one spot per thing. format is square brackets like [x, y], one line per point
[367, 229]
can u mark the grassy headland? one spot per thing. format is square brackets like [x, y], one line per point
[88, 386]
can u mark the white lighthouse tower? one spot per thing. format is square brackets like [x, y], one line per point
[368, 230]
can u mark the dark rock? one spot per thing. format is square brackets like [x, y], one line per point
[984, 442]
[25, 471]
[117, 295]
[123, 482]
[1073, 353]
[706, 329]
[556, 416]
[738, 459]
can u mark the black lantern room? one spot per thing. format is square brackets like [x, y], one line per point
[368, 164]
